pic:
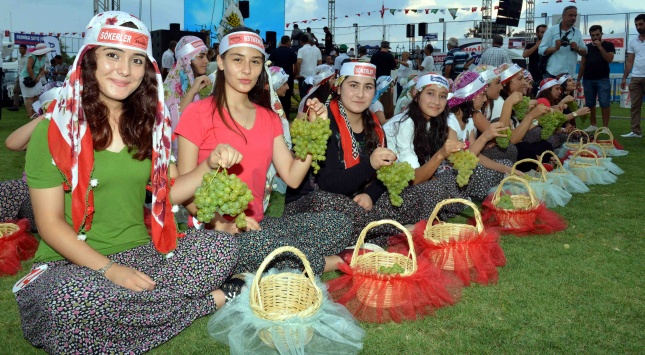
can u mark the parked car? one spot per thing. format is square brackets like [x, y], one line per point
[8, 81]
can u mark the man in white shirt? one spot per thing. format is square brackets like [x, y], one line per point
[403, 73]
[168, 59]
[635, 64]
[428, 62]
[309, 57]
[342, 57]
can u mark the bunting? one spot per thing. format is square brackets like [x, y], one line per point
[453, 13]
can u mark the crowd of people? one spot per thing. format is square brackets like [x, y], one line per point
[111, 281]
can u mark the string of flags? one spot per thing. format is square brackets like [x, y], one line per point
[7, 33]
[383, 10]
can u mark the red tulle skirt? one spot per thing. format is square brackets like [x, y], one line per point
[378, 298]
[16, 247]
[472, 258]
[539, 220]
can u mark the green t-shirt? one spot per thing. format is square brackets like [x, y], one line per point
[119, 197]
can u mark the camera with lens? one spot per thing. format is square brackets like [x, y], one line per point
[565, 41]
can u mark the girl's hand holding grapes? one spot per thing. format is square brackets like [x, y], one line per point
[567, 99]
[451, 146]
[224, 156]
[532, 104]
[514, 98]
[583, 111]
[538, 111]
[229, 227]
[316, 109]
[493, 131]
[381, 157]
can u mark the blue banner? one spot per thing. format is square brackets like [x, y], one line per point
[27, 39]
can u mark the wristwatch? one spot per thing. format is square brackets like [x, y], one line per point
[536, 122]
[575, 114]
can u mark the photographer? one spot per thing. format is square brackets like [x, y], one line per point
[562, 44]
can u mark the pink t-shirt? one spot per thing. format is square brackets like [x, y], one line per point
[206, 130]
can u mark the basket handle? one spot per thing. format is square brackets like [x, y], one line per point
[558, 164]
[529, 160]
[255, 286]
[577, 154]
[361, 240]
[577, 131]
[479, 225]
[602, 130]
[601, 149]
[500, 187]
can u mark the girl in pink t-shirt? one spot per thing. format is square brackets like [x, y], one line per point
[239, 114]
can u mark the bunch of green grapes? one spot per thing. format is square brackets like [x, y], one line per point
[573, 106]
[550, 122]
[205, 91]
[392, 270]
[310, 137]
[521, 108]
[505, 202]
[503, 142]
[223, 194]
[396, 177]
[465, 162]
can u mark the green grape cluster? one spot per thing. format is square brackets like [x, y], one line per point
[396, 177]
[205, 91]
[392, 270]
[465, 162]
[521, 108]
[573, 106]
[223, 194]
[310, 137]
[503, 142]
[550, 122]
[505, 202]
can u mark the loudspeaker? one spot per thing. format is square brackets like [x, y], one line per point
[509, 12]
[423, 29]
[174, 27]
[244, 8]
[271, 41]
[409, 30]
[161, 38]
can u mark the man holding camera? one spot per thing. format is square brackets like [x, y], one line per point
[562, 44]
[594, 67]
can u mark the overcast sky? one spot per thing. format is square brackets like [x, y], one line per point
[73, 15]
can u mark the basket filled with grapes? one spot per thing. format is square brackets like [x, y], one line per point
[223, 194]
[310, 137]
[519, 212]
[576, 139]
[470, 251]
[396, 177]
[382, 286]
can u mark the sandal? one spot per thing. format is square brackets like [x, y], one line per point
[232, 288]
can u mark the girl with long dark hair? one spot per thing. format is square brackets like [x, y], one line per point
[239, 115]
[98, 283]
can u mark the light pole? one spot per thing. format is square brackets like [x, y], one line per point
[441, 20]
[356, 40]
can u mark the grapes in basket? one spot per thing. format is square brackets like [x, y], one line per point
[310, 137]
[391, 270]
[396, 177]
[505, 202]
[223, 194]
[464, 161]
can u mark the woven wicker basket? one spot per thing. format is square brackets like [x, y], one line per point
[580, 164]
[285, 295]
[558, 168]
[444, 231]
[576, 145]
[510, 218]
[541, 168]
[7, 229]
[600, 147]
[372, 262]
[605, 143]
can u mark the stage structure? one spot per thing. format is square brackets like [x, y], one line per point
[106, 5]
[331, 16]
[530, 20]
[487, 23]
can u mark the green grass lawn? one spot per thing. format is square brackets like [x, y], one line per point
[588, 298]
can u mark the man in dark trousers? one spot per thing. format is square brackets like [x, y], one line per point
[385, 63]
[285, 58]
[594, 67]
[531, 52]
[329, 40]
